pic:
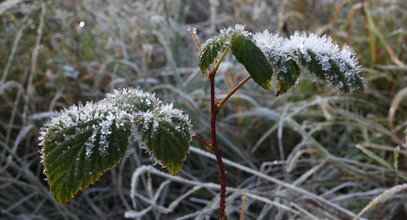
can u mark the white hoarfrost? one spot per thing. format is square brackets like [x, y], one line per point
[272, 45]
[336, 66]
[165, 114]
[131, 92]
[127, 98]
[238, 28]
[104, 114]
[119, 108]
[304, 46]
[169, 113]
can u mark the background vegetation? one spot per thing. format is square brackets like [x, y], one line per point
[54, 54]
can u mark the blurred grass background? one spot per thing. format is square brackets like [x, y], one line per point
[54, 54]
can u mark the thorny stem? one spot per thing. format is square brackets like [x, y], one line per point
[213, 145]
[216, 150]
[220, 104]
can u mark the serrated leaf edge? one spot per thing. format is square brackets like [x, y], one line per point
[177, 113]
[73, 194]
[54, 123]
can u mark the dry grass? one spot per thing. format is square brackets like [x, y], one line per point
[299, 156]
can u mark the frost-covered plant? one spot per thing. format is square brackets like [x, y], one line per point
[83, 142]
[318, 56]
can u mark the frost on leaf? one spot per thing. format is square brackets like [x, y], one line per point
[213, 46]
[281, 59]
[319, 56]
[252, 58]
[133, 100]
[334, 66]
[82, 143]
[166, 133]
[210, 50]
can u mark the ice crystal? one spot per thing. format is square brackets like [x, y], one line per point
[116, 111]
[133, 100]
[226, 32]
[238, 28]
[171, 115]
[79, 117]
[317, 55]
[165, 133]
[271, 45]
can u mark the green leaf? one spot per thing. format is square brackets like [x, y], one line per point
[166, 134]
[210, 51]
[80, 145]
[255, 62]
[83, 142]
[288, 73]
[343, 77]
[169, 140]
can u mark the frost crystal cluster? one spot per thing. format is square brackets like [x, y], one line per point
[85, 118]
[264, 54]
[316, 55]
[83, 142]
[213, 46]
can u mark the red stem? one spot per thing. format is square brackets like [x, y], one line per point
[221, 103]
[217, 151]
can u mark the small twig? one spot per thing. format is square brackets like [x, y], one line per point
[206, 144]
[192, 32]
[221, 103]
[244, 199]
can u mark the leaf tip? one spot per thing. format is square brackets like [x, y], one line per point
[173, 170]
